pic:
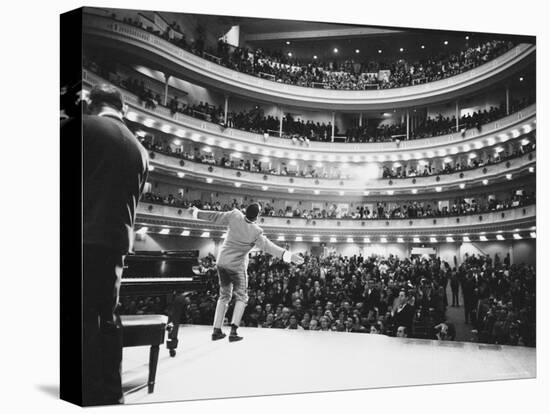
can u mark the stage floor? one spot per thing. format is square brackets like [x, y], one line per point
[276, 361]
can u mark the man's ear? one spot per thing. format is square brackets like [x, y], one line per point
[124, 110]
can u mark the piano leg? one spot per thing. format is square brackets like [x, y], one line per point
[178, 307]
[153, 362]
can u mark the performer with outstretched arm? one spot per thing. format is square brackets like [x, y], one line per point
[242, 236]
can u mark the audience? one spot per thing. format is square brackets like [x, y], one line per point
[374, 211]
[341, 75]
[377, 295]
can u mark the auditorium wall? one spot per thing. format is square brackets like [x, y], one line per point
[521, 251]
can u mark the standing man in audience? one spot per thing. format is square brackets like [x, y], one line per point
[242, 236]
[114, 172]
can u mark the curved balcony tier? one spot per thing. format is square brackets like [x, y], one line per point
[163, 55]
[509, 220]
[200, 131]
[494, 173]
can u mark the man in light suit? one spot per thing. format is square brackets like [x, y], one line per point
[242, 236]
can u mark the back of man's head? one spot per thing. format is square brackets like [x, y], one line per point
[253, 211]
[103, 95]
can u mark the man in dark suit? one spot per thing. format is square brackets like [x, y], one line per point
[114, 173]
[403, 314]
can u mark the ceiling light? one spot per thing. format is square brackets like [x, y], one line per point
[449, 239]
[281, 238]
[264, 187]
[390, 192]
[485, 181]
[438, 189]
[416, 240]
[185, 233]
[224, 235]
[422, 47]
[433, 240]
[383, 240]
[466, 239]
[400, 49]
[148, 122]
[181, 174]
[521, 79]
[500, 237]
[165, 128]
[365, 193]
[205, 234]
[379, 50]
[209, 180]
[333, 239]
[349, 240]
[517, 236]
[316, 239]
[483, 238]
[366, 240]
[414, 191]
[299, 238]
[288, 42]
[206, 149]
[164, 231]
[176, 142]
[237, 184]
[341, 193]
[531, 169]
[356, 50]
[462, 185]
[289, 54]
[508, 176]
[400, 240]
[142, 230]
[335, 50]
[467, 38]
[314, 56]
[316, 192]
[446, 42]
[151, 167]
[533, 235]
[291, 190]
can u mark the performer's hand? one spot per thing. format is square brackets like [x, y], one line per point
[296, 259]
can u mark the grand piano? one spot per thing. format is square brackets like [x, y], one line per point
[173, 274]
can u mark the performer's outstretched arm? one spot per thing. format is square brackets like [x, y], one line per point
[217, 217]
[267, 246]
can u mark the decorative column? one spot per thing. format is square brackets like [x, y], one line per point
[457, 113]
[281, 122]
[166, 79]
[507, 99]
[226, 106]
[332, 135]
[408, 126]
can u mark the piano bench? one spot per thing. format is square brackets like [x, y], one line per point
[141, 330]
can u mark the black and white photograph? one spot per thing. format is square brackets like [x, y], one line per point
[279, 206]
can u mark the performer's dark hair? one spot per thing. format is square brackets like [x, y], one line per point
[252, 211]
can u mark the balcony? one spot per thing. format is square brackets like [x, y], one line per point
[209, 133]
[495, 172]
[503, 220]
[124, 38]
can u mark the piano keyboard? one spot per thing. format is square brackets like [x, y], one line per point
[155, 279]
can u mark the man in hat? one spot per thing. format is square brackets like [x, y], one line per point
[242, 236]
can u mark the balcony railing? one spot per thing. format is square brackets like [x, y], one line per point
[212, 134]
[130, 37]
[491, 221]
[255, 179]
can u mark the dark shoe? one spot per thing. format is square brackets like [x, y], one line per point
[217, 335]
[172, 353]
[235, 338]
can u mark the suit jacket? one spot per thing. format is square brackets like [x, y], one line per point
[114, 172]
[242, 237]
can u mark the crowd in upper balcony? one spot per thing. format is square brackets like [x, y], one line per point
[393, 296]
[311, 171]
[303, 131]
[341, 75]
[359, 211]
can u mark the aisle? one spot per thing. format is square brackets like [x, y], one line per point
[456, 316]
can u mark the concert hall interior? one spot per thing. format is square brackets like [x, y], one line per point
[399, 163]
